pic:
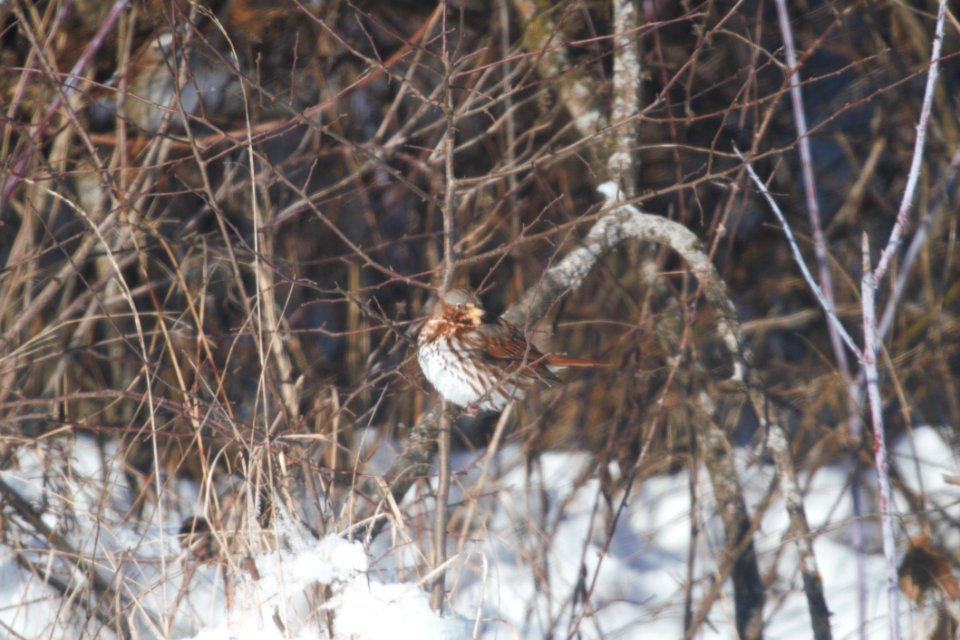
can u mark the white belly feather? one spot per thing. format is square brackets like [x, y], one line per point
[440, 365]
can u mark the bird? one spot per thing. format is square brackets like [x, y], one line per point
[480, 365]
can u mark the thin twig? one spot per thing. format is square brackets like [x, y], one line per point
[826, 282]
[893, 243]
[798, 257]
[809, 184]
[443, 435]
[871, 349]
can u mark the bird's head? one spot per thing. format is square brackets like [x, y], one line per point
[459, 306]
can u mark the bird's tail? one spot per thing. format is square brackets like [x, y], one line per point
[563, 361]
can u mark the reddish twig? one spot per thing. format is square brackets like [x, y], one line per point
[73, 78]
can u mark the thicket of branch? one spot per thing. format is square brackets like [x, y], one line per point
[221, 222]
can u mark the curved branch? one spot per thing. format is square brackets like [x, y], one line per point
[623, 222]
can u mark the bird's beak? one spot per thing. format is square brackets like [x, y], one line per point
[475, 313]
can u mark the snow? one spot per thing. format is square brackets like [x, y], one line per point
[537, 557]
[278, 604]
[379, 611]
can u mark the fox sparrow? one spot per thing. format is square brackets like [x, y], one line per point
[481, 365]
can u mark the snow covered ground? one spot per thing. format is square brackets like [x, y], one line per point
[530, 556]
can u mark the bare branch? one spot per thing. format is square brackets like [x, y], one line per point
[893, 243]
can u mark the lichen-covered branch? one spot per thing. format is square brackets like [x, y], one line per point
[576, 89]
[627, 74]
